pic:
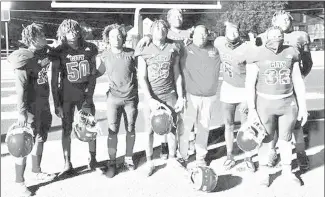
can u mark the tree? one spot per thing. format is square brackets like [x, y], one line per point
[252, 16]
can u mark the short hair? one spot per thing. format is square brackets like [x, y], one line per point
[279, 13]
[271, 29]
[109, 28]
[174, 10]
[69, 25]
[30, 32]
[156, 23]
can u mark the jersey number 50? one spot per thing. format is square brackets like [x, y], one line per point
[77, 70]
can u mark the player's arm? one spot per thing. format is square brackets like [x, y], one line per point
[307, 62]
[179, 85]
[91, 81]
[144, 83]
[251, 78]
[145, 41]
[56, 91]
[100, 67]
[21, 82]
[300, 90]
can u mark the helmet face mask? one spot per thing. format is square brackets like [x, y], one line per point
[161, 120]
[85, 127]
[20, 140]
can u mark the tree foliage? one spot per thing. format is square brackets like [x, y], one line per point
[252, 16]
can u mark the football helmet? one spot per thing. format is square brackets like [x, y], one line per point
[85, 126]
[161, 120]
[204, 178]
[20, 140]
[250, 135]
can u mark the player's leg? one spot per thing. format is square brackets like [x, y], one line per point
[149, 166]
[191, 145]
[89, 107]
[302, 157]
[229, 117]
[203, 124]
[243, 110]
[273, 157]
[130, 117]
[20, 166]
[189, 118]
[68, 110]
[43, 124]
[265, 112]
[286, 124]
[114, 114]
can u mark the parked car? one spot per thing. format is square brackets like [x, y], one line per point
[317, 44]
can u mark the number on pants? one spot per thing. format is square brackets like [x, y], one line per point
[77, 71]
[273, 76]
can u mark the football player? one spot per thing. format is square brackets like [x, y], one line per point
[301, 41]
[30, 66]
[270, 81]
[232, 54]
[200, 66]
[122, 96]
[182, 36]
[73, 84]
[158, 71]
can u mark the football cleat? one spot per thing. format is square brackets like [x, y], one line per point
[250, 135]
[85, 126]
[203, 178]
[161, 120]
[19, 140]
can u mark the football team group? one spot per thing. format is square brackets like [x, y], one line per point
[178, 72]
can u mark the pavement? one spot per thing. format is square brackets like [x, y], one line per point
[166, 181]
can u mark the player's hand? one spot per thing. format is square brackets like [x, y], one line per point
[302, 116]
[22, 119]
[179, 106]
[187, 41]
[153, 104]
[145, 41]
[59, 112]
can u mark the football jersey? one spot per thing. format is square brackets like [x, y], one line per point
[121, 72]
[36, 65]
[201, 70]
[233, 62]
[160, 68]
[76, 66]
[275, 70]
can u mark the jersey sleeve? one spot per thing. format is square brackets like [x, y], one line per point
[21, 82]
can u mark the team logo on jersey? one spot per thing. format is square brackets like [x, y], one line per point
[212, 53]
[42, 75]
[87, 49]
[74, 58]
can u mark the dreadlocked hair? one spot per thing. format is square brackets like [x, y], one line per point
[156, 23]
[68, 25]
[279, 13]
[120, 28]
[30, 32]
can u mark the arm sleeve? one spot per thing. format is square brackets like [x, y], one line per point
[56, 91]
[21, 82]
